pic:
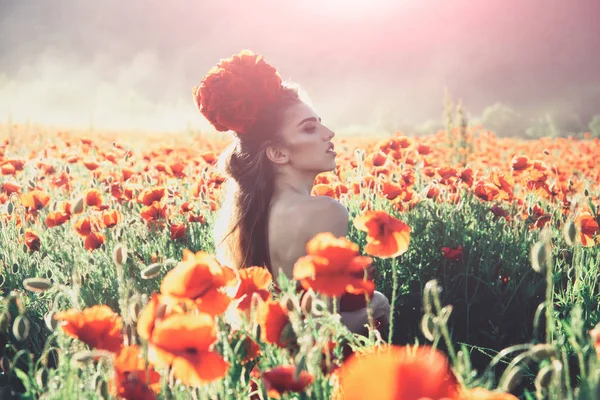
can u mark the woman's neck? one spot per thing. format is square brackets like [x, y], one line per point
[294, 182]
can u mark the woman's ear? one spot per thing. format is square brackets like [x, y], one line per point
[277, 154]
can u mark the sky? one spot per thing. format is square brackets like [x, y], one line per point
[378, 65]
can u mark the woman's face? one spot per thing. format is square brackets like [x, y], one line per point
[307, 141]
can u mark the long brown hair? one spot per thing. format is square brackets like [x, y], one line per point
[240, 230]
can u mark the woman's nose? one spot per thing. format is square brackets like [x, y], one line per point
[331, 134]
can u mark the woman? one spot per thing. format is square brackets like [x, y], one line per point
[281, 145]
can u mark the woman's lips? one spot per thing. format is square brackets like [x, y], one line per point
[330, 149]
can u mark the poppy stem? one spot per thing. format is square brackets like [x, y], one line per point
[446, 333]
[394, 295]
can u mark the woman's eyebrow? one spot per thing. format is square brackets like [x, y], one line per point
[308, 119]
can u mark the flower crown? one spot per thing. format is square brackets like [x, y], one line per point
[235, 91]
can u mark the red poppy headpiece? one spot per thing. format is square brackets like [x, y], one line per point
[234, 92]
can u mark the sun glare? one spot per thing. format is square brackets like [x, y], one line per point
[353, 7]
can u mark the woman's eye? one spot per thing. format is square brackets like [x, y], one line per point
[310, 128]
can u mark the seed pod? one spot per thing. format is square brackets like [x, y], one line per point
[570, 233]
[102, 388]
[15, 268]
[546, 152]
[79, 205]
[4, 321]
[120, 254]
[544, 378]
[50, 357]
[318, 307]
[445, 313]
[51, 323]
[37, 285]
[82, 357]
[41, 377]
[511, 379]
[151, 271]
[134, 310]
[539, 256]
[21, 328]
[31, 184]
[5, 365]
[290, 303]
[429, 327]
[430, 288]
[306, 304]
[541, 352]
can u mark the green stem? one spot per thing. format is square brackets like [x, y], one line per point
[445, 332]
[549, 303]
[394, 295]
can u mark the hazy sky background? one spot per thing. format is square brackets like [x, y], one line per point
[366, 65]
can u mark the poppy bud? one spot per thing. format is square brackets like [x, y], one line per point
[539, 256]
[41, 377]
[541, 352]
[429, 327]
[120, 254]
[78, 207]
[511, 379]
[151, 271]
[37, 285]
[21, 328]
[4, 321]
[306, 304]
[5, 365]
[570, 232]
[290, 303]
[51, 323]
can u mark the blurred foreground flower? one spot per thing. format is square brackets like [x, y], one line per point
[398, 373]
[183, 342]
[130, 376]
[333, 266]
[201, 278]
[283, 379]
[98, 327]
[253, 280]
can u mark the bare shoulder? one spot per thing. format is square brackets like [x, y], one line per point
[325, 214]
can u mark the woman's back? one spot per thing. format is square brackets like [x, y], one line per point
[295, 219]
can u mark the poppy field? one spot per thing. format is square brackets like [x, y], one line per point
[487, 247]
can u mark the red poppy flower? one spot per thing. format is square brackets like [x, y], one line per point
[97, 326]
[333, 267]
[201, 278]
[398, 373]
[453, 254]
[387, 237]
[253, 280]
[132, 381]
[282, 379]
